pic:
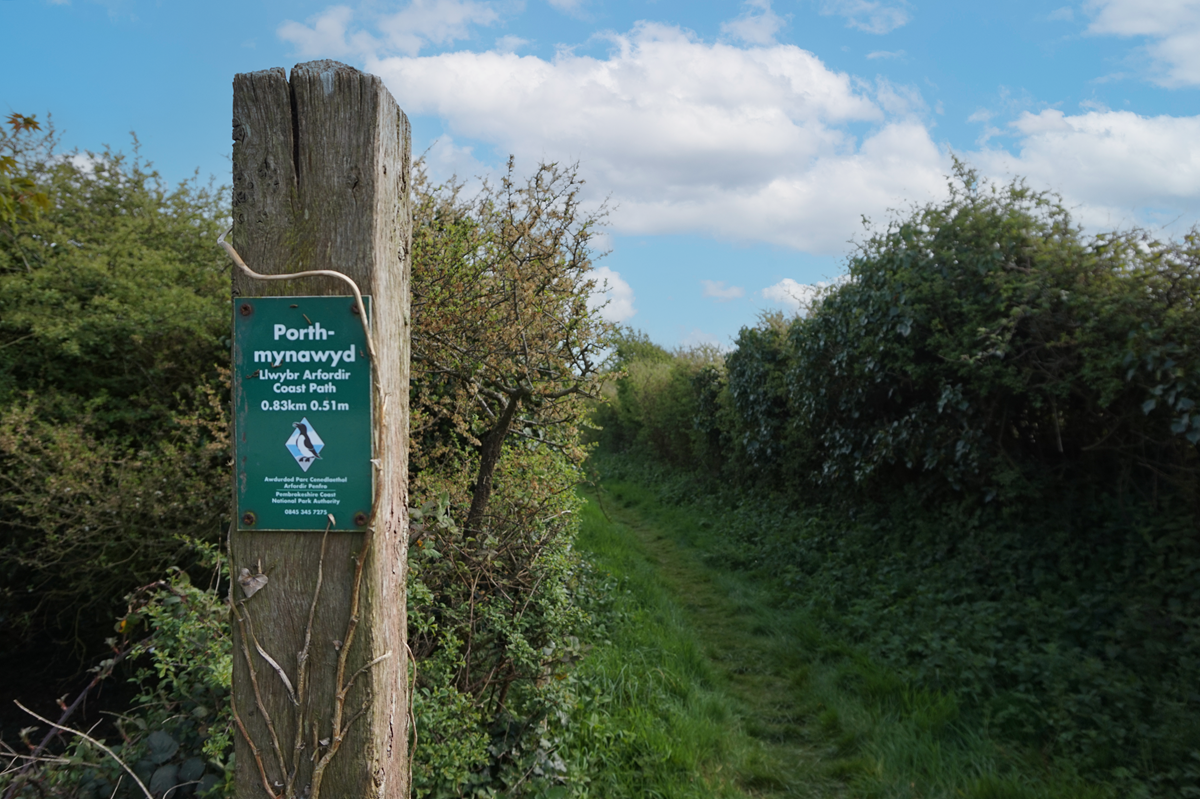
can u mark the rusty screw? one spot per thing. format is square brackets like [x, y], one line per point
[249, 519]
[354, 308]
[360, 519]
[247, 309]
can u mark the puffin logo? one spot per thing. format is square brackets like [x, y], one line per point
[304, 444]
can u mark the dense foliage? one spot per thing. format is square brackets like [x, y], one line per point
[114, 318]
[988, 345]
[113, 309]
[996, 413]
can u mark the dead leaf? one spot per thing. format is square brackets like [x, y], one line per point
[251, 584]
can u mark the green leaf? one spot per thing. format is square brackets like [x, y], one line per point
[191, 770]
[162, 746]
[164, 779]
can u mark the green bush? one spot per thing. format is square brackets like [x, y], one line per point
[987, 345]
[176, 735]
[113, 311]
[664, 403]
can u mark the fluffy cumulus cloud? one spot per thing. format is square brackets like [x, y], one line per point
[749, 143]
[1172, 27]
[612, 295]
[750, 139]
[720, 292]
[1113, 167]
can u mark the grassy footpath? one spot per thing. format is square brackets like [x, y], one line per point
[700, 686]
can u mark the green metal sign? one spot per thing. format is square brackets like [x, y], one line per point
[302, 413]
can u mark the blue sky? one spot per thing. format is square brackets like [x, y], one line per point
[738, 143]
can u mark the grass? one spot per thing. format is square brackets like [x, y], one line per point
[701, 685]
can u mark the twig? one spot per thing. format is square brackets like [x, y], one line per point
[412, 716]
[262, 769]
[57, 760]
[367, 667]
[278, 670]
[237, 259]
[91, 740]
[339, 702]
[16, 784]
[247, 632]
[302, 664]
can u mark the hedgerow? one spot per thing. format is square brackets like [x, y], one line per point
[982, 448]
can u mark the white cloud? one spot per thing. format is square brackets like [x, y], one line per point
[1173, 27]
[1107, 164]
[324, 36]
[569, 6]
[85, 162]
[869, 16]
[422, 22]
[886, 54]
[445, 159]
[758, 24]
[898, 99]
[815, 209]
[745, 143]
[759, 143]
[797, 297]
[510, 44]
[614, 291]
[722, 293]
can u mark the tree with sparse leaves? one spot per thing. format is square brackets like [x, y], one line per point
[503, 327]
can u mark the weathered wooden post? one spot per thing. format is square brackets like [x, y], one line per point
[321, 182]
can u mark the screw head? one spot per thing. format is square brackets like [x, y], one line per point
[249, 519]
[354, 308]
[360, 519]
[247, 309]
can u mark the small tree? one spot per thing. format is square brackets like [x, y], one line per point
[503, 329]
